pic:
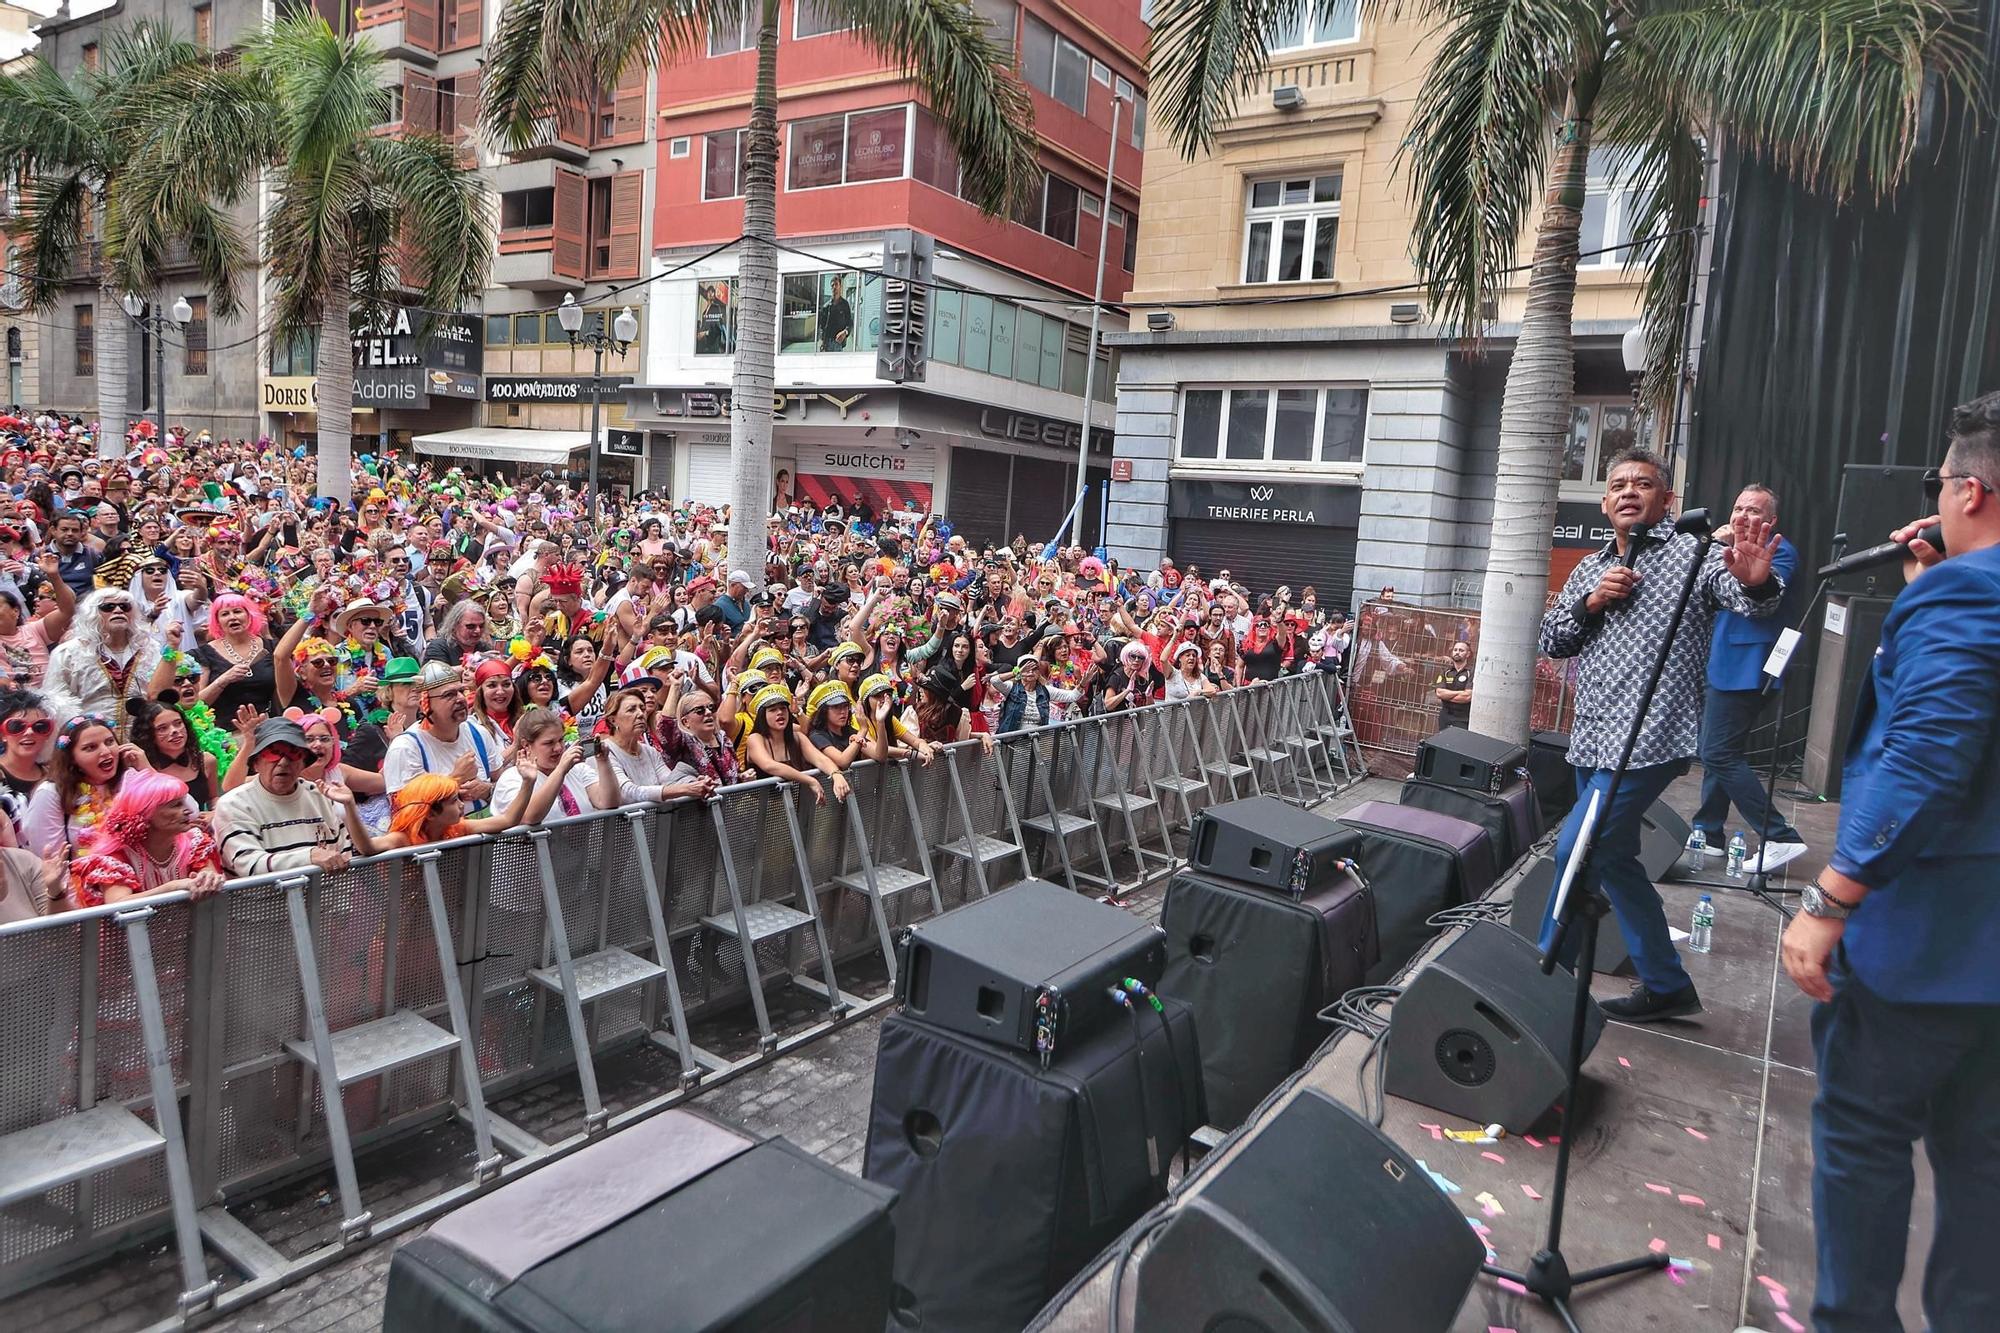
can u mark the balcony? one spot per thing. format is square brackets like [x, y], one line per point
[564, 138]
[387, 27]
[526, 261]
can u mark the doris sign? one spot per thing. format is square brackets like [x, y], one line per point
[289, 393]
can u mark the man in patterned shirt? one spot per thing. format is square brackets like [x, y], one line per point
[1613, 618]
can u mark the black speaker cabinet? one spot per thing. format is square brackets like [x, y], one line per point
[1264, 841]
[1257, 967]
[1531, 903]
[1460, 758]
[983, 969]
[1850, 631]
[1010, 1176]
[1510, 816]
[1482, 1034]
[1319, 1224]
[676, 1221]
[1875, 500]
[1663, 837]
[1554, 778]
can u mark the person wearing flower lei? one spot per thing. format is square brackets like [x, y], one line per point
[145, 843]
[86, 771]
[361, 656]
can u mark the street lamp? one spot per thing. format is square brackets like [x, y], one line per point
[180, 313]
[623, 330]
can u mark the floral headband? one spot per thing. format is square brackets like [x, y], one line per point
[311, 648]
[81, 723]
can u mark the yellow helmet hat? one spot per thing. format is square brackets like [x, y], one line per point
[875, 685]
[766, 697]
[765, 658]
[831, 692]
[846, 650]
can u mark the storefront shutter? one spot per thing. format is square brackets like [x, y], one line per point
[1263, 557]
[977, 505]
[571, 220]
[1042, 497]
[708, 474]
[628, 194]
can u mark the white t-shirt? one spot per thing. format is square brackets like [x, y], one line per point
[641, 775]
[417, 751]
[576, 782]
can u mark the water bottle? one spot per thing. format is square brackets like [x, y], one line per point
[1702, 935]
[1697, 850]
[1739, 852]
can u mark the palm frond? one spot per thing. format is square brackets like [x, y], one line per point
[971, 88]
[445, 212]
[1477, 151]
[546, 52]
[326, 90]
[1829, 91]
[49, 123]
[140, 59]
[58, 208]
[1205, 54]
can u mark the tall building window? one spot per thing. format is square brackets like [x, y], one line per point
[194, 338]
[1305, 27]
[722, 154]
[848, 149]
[86, 340]
[1055, 64]
[532, 207]
[810, 20]
[1611, 206]
[1290, 227]
[1002, 16]
[727, 38]
[204, 26]
[1274, 424]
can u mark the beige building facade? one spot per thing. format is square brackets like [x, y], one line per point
[1306, 422]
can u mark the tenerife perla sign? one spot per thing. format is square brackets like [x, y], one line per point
[1280, 503]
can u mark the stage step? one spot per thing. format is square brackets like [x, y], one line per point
[43, 1157]
[600, 974]
[988, 850]
[1060, 825]
[376, 1048]
[764, 921]
[890, 880]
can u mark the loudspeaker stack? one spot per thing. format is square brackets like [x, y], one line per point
[1270, 924]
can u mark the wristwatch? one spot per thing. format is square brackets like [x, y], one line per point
[1818, 902]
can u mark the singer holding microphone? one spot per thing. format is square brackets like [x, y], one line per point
[1899, 939]
[1612, 615]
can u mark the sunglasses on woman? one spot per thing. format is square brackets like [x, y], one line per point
[15, 726]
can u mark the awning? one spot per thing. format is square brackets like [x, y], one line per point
[549, 447]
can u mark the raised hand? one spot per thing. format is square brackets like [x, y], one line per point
[1749, 556]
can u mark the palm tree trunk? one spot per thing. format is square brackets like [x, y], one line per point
[757, 317]
[1534, 424]
[336, 397]
[113, 340]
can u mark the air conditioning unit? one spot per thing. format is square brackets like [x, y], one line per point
[1288, 97]
[1405, 312]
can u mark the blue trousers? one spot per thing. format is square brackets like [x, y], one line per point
[1726, 719]
[1615, 868]
[1890, 1074]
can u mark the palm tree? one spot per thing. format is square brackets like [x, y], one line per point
[1830, 91]
[71, 140]
[547, 51]
[358, 215]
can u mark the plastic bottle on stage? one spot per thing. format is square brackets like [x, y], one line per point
[1697, 849]
[1702, 935]
[1739, 852]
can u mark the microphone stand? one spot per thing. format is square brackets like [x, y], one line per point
[1548, 1274]
[1759, 886]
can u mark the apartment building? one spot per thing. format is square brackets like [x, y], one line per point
[1337, 438]
[967, 397]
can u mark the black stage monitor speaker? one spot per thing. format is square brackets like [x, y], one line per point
[1460, 758]
[1875, 500]
[1257, 967]
[1262, 840]
[1319, 1224]
[1032, 952]
[1510, 816]
[675, 1222]
[1011, 1176]
[1419, 863]
[1554, 779]
[1531, 903]
[1663, 837]
[1482, 1034]
[1850, 631]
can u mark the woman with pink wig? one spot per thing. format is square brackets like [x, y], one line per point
[236, 661]
[145, 842]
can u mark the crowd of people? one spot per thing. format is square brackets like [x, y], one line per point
[208, 671]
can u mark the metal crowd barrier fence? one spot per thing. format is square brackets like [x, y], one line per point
[168, 1060]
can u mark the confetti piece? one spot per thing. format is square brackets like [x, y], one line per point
[1509, 1284]
[1714, 1241]
[1437, 1131]
[1555, 1138]
[1656, 1245]
[1675, 1274]
[1531, 1192]
[1623, 1063]
[1489, 1205]
[1780, 1300]
[1495, 1328]
[1693, 1200]
[1494, 1157]
[1532, 1141]
[1697, 1133]
[1791, 1325]
[1438, 1179]
[1772, 1284]
[1657, 1189]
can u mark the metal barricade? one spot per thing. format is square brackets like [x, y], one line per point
[305, 1018]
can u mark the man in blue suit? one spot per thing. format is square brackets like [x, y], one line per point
[1899, 939]
[1736, 654]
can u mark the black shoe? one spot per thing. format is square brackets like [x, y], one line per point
[1645, 1006]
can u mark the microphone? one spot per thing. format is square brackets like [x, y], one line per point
[1640, 532]
[1886, 553]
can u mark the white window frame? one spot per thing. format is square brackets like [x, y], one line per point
[1221, 461]
[1308, 19]
[1044, 81]
[680, 145]
[909, 110]
[1604, 180]
[1588, 486]
[1100, 73]
[737, 176]
[745, 35]
[1276, 215]
[799, 8]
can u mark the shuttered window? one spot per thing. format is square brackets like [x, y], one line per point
[462, 24]
[421, 27]
[420, 103]
[616, 252]
[571, 224]
[621, 114]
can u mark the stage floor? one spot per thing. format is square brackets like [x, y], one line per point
[1695, 1135]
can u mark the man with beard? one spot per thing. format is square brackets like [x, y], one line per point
[445, 740]
[277, 821]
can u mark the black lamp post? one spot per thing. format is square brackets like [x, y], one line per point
[157, 325]
[623, 330]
